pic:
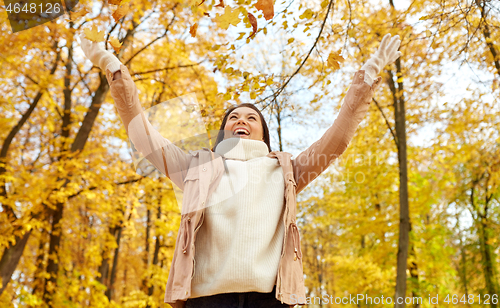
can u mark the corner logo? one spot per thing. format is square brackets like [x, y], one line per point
[26, 14]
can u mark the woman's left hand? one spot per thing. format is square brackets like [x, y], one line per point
[385, 54]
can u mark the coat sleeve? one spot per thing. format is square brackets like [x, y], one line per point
[314, 160]
[163, 154]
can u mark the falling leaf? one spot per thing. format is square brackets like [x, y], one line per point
[115, 43]
[115, 2]
[334, 60]
[193, 29]
[76, 15]
[206, 14]
[290, 40]
[240, 36]
[267, 7]
[230, 17]
[94, 34]
[253, 22]
[120, 12]
[307, 14]
[428, 33]
[221, 4]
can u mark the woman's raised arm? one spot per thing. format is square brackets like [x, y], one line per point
[158, 150]
[314, 160]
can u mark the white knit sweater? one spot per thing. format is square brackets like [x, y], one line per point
[238, 246]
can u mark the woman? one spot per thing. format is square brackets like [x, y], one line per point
[238, 244]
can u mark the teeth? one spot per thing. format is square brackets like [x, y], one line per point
[241, 131]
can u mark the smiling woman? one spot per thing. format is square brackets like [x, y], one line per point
[248, 118]
[238, 243]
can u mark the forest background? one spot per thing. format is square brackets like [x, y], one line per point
[410, 209]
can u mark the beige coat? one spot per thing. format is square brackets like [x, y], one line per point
[197, 170]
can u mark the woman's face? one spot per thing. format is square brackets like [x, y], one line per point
[244, 122]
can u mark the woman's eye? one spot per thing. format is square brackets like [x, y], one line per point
[253, 118]
[232, 117]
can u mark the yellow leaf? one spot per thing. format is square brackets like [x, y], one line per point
[334, 60]
[400, 79]
[227, 96]
[76, 15]
[120, 12]
[428, 33]
[115, 2]
[115, 44]
[425, 17]
[253, 95]
[94, 34]
[241, 35]
[245, 88]
[307, 14]
[291, 40]
[230, 17]
[269, 81]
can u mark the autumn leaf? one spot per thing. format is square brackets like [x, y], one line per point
[193, 29]
[75, 15]
[253, 22]
[230, 17]
[307, 14]
[94, 34]
[114, 2]
[267, 7]
[115, 43]
[120, 12]
[334, 60]
[221, 4]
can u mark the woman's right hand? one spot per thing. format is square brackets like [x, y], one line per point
[99, 56]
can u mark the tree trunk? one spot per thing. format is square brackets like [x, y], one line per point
[38, 280]
[156, 252]
[110, 291]
[57, 213]
[487, 259]
[10, 259]
[53, 262]
[487, 35]
[146, 251]
[404, 212]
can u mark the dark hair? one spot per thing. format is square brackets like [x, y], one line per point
[220, 135]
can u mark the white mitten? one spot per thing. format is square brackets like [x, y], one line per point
[385, 54]
[99, 56]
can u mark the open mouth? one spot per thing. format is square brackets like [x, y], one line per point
[241, 132]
